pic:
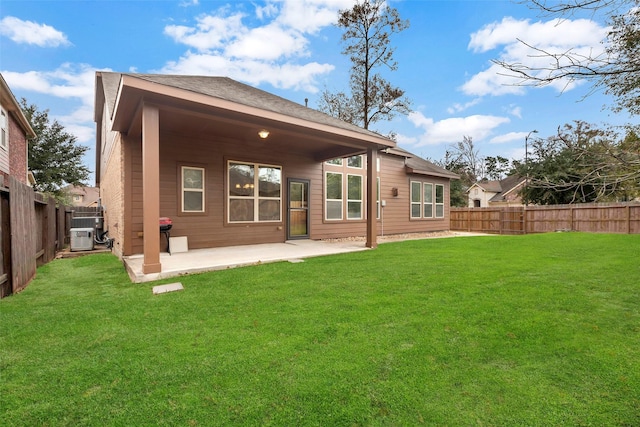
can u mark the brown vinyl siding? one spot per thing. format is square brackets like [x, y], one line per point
[211, 228]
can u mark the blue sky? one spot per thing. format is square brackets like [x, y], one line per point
[50, 50]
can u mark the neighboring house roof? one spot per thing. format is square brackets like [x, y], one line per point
[12, 106]
[502, 187]
[90, 195]
[418, 165]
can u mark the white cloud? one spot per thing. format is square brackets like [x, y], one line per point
[310, 16]
[29, 32]
[508, 137]
[454, 129]
[209, 32]
[269, 43]
[76, 82]
[580, 37]
[457, 108]
[274, 51]
[284, 76]
[516, 111]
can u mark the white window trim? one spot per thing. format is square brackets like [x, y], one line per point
[256, 195]
[326, 199]
[361, 200]
[194, 190]
[412, 203]
[4, 129]
[378, 206]
[436, 203]
[355, 167]
[328, 162]
[428, 203]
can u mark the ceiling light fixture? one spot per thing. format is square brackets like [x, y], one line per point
[263, 133]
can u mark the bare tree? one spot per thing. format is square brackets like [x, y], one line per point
[368, 27]
[617, 69]
[464, 159]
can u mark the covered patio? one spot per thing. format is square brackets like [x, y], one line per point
[203, 260]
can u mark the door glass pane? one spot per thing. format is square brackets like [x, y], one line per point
[298, 209]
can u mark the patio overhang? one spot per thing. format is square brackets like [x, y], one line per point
[186, 112]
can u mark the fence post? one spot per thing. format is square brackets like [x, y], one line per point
[628, 215]
[571, 218]
[524, 220]
[468, 219]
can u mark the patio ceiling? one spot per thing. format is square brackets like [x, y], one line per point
[200, 115]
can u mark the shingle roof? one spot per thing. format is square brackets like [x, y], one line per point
[501, 187]
[419, 165]
[231, 90]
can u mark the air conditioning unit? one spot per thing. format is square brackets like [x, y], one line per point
[82, 239]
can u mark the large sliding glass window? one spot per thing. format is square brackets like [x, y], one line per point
[255, 192]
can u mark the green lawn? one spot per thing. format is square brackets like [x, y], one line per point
[505, 331]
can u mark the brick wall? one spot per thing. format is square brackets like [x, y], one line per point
[112, 194]
[17, 151]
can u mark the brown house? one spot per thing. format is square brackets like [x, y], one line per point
[15, 131]
[234, 165]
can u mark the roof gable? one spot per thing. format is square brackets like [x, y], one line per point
[418, 165]
[224, 88]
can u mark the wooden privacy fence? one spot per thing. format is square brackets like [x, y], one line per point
[591, 218]
[33, 230]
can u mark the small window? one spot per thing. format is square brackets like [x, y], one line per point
[378, 197]
[354, 196]
[4, 130]
[416, 199]
[427, 200]
[354, 162]
[336, 162]
[333, 196]
[439, 201]
[192, 189]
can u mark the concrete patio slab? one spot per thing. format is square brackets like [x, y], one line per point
[203, 260]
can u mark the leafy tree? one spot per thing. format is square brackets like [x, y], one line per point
[367, 30]
[54, 157]
[583, 164]
[617, 70]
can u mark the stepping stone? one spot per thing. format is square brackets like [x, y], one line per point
[171, 287]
